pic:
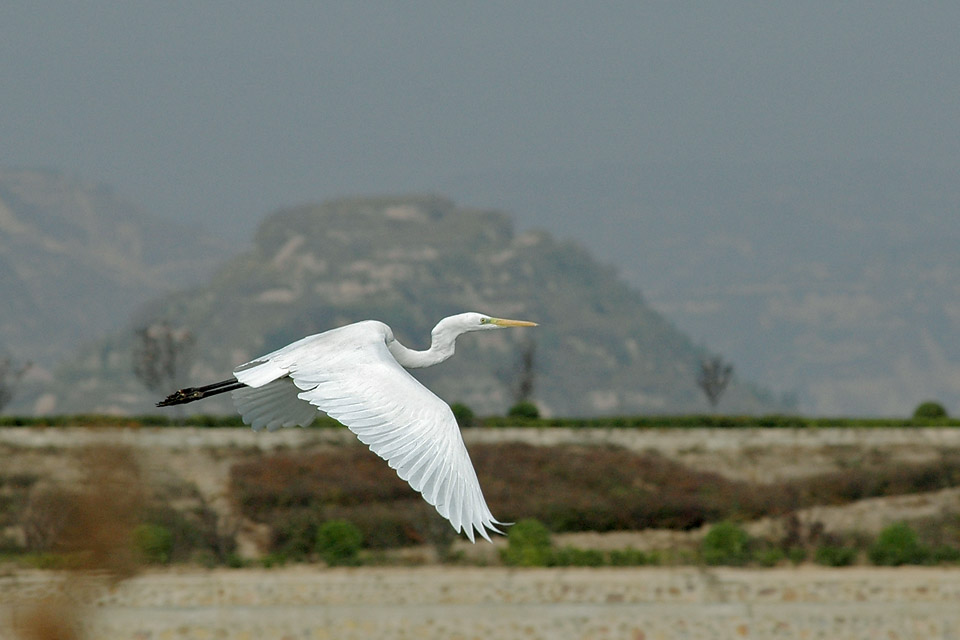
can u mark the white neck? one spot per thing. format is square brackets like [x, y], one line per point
[442, 345]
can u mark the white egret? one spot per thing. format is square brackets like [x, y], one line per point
[356, 375]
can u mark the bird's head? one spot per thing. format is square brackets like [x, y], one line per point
[472, 321]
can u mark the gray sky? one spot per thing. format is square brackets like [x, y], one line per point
[227, 110]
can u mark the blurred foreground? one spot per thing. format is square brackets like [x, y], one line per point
[468, 603]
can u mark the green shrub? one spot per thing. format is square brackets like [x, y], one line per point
[338, 542]
[294, 534]
[528, 545]
[205, 558]
[193, 533]
[945, 553]
[9, 545]
[153, 543]
[796, 555]
[573, 557]
[272, 560]
[631, 558]
[463, 414]
[235, 561]
[726, 543]
[835, 556]
[930, 410]
[769, 557]
[526, 410]
[896, 545]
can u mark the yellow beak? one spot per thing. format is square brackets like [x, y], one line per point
[500, 322]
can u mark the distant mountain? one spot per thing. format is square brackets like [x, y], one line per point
[409, 261]
[77, 259]
[838, 282]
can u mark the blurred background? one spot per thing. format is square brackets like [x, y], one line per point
[775, 184]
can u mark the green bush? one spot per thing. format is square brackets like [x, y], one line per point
[769, 557]
[930, 410]
[835, 556]
[896, 545]
[236, 561]
[272, 560]
[294, 534]
[463, 414]
[153, 543]
[193, 533]
[9, 545]
[726, 543]
[573, 557]
[338, 542]
[526, 410]
[796, 555]
[528, 545]
[631, 558]
[945, 553]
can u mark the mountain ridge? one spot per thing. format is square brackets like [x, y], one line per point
[834, 281]
[409, 260]
[78, 259]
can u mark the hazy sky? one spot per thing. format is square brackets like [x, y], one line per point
[231, 109]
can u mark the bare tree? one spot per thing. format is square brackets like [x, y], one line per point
[524, 407]
[525, 373]
[161, 354]
[10, 374]
[714, 376]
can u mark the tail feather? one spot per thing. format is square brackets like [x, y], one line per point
[191, 394]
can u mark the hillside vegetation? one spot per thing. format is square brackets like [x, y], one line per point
[410, 261]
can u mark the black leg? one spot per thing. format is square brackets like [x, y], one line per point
[190, 394]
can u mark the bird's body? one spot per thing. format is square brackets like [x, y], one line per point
[356, 375]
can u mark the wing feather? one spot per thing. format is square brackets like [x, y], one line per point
[273, 405]
[350, 374]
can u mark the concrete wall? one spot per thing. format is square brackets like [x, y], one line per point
[446, 603]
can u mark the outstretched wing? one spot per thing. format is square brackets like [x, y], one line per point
[350, 374]
[273, 405]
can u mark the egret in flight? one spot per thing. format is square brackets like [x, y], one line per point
[356, 375]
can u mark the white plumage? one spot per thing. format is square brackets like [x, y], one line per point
[356, 375]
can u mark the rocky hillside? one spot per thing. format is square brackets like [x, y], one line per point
[409, 261]
[837, 282]
[77, 259]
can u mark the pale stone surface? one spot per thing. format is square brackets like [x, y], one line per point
[447, 603]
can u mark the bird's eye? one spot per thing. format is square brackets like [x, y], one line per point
[484, 320]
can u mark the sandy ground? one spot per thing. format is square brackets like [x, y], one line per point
[449, 603]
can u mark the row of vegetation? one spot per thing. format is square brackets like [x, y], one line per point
[576, 489]
[344, 506]
[728, 544]
[526, 414]
[530, 544]
[165, 538]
